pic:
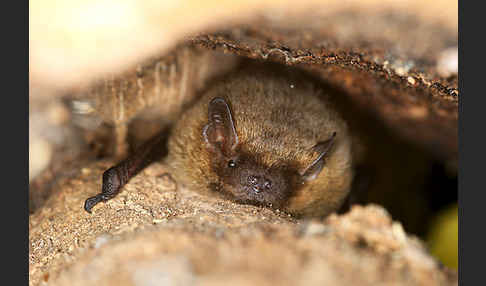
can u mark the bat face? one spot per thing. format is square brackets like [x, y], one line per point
[249, 182]
[241, 174]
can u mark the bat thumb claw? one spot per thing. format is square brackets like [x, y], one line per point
[91, 202]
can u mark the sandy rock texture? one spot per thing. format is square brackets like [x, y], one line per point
[400, 68]
[156, 233]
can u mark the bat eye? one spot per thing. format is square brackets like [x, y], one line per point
[267, 185]
[252, 180]
[231, 164]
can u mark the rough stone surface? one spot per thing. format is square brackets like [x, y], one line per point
[155, 233]
[399, 75]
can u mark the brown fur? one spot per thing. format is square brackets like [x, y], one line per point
[279, 117]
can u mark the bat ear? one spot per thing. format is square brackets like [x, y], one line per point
[314, 169]
[220, 132]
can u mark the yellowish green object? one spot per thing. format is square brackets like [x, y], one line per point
[443, 236]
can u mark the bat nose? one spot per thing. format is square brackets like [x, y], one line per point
[259, 183]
